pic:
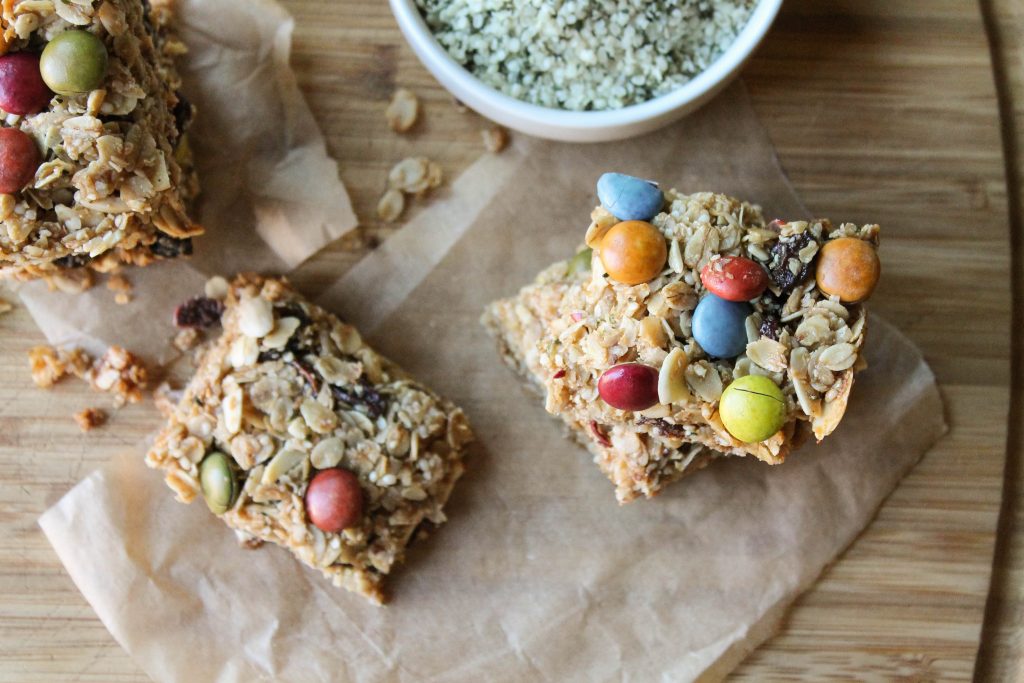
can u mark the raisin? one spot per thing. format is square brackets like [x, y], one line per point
[171, 247]
[770, 327]
[72, 261]
[292, 310]
[787, 251]
[362, 394]
[199, 312]
[183, 112]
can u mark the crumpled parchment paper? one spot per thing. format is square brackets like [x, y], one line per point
[271, 197]
[539, 574]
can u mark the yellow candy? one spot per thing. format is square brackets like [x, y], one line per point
[752, 408]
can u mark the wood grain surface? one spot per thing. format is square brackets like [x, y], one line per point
[882, 111]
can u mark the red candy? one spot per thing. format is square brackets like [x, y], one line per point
[19, 159]
[629, 386]
[22, 90]
[734, 278]
[334, 500]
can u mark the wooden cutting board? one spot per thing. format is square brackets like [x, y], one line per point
[882, 111]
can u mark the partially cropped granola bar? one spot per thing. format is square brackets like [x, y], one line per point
[298, 433]
[520, 323]
[691, 327]
[95, 168]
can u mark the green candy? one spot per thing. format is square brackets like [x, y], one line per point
[580, 263]
[218, 482]
[752, 408]
[74, 62]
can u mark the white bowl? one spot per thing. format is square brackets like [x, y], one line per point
[582, 126]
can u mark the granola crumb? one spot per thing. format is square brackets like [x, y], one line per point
[402, 111]
[119, 283]
[187, 339]
[49, 365]
[5, 306]
[90, 418]
[495, 139]
[120, 372]
[216, 288]
[122, 288]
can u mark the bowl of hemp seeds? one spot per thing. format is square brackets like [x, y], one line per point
[584, 70]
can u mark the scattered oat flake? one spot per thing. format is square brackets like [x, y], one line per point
[495, 138]
[90, 418]
[409, 175]
[402, 111]
[391, 205]
[435, 174]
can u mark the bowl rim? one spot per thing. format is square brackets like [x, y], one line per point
[731, 59]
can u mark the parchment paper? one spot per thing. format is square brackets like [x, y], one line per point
[538, 575]
[271, 194]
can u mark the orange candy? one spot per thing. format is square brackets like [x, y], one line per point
[848, 268]
[633, 252]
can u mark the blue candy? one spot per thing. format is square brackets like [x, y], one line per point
[718, 326]
[629, 198]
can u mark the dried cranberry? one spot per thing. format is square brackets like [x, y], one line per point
[200, 312]
[770, 327]
[785, 252]
[599, 434]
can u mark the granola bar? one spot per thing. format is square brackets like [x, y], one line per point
[115, 177]
[579, 324]
[290, 394]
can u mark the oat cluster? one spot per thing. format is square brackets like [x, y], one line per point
[579, 55]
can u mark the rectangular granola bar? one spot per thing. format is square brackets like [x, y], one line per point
[575, 322]
[289, 392]
[115, 178]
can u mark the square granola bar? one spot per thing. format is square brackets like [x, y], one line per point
[298, 433]
[97, 170]
[739, 336]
